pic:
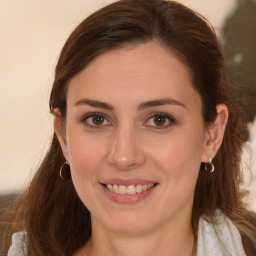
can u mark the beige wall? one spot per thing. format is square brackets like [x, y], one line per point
[32, 34]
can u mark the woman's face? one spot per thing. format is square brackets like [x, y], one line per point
[135, 139]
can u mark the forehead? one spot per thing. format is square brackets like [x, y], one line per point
[139, 72]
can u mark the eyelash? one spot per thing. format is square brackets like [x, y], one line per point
[95, 114]
[167, 117]
[170, 119]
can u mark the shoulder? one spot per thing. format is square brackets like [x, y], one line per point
[18, 247]
[218, 236]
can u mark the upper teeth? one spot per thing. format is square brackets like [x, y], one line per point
[131, 189]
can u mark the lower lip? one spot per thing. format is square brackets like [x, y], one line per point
[127, 198]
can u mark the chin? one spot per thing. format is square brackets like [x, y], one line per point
[129, 224]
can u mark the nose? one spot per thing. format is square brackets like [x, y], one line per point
[126, 151]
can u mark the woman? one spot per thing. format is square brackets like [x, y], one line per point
[145, 159]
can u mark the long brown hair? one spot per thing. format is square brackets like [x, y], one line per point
[50, 211]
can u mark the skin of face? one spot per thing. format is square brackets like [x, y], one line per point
[128, 90]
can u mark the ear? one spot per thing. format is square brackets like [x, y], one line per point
[60, 133]
[215, 133]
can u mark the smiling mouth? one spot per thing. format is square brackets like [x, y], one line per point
[130, 189]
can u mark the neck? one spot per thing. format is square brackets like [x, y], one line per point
[165, 241]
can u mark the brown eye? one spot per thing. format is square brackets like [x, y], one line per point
[98, 120]
[160, 120]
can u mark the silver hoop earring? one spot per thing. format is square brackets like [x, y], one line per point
[209, 167]
[65, 171]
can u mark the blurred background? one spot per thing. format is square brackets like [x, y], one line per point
[32, 35]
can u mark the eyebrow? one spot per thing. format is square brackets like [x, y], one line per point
[142, 106]
[161, 102]
[94, 103]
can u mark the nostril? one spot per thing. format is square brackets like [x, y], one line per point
[125, 152]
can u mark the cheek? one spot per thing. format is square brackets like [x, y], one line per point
[179, 162]
[86, 155]
[86, 158]
[179, 155]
